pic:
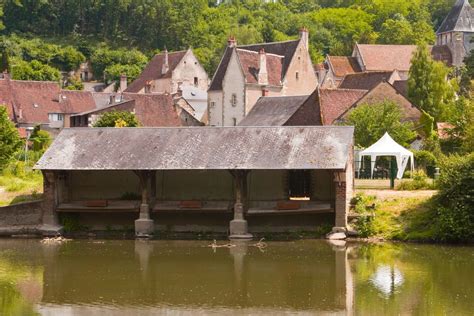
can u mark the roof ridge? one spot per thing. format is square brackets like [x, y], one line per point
[254, 52]
[343, 89]
[267, 43]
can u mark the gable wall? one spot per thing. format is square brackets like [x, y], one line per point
[233, 83]
[187, 69]
[302, 64]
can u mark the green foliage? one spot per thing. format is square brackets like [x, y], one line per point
[113, 72]
[461, 136]
[428, 87]
[40, 139]
[108, 62]
[110, 119]
[10, 140]
[420, 181]
[454, 206]
[34, 70]
[4, 62]
[74, 83]
[371, 121]
[425, 159]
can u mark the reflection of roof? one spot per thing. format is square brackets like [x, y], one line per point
[250, 62]
[153, 70]
[334, 102]
[365, 80]
[273, 111]
[199, 148]
[459, 19]
[286, 49]
[343, 65]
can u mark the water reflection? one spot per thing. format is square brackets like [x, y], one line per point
[187, 277]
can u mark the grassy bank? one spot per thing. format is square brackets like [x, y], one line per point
[20, 186]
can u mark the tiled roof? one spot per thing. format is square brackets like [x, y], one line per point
[154, 109]
[76, 101]
[286, 49]
[343, 65]
[273, 111]
[402, 87]
[459, 19]
[250, 62]
[386, 57]
[153, 70]
[364, 80]
[334, 102]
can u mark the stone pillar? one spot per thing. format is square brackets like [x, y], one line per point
[144, 225]
[153, 188]
[50, 224]
[341, 203]
[238, 226]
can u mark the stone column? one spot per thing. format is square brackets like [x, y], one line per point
[238, 226]
[50, 224]
[144, 225]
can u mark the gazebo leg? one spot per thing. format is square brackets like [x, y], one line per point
[238, 226]
[144, 225]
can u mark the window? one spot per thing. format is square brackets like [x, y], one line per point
[196, 81]
[213, 104]
[234, 121]
[55, 117]
[297, 75]
[234, 99]
[299, 184]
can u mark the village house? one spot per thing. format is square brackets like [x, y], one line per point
[247, 72]
[169, 72]
[151, 110]
[235, 180]
[328, 106]
[32, 103]
[457, 31]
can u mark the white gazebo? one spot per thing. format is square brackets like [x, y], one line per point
[386, 146]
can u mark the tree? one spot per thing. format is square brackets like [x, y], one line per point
[10, 140]
[40, 139]
[5, 62]
[35, 70]
[117, 119]
[428, 85]
[371, 121]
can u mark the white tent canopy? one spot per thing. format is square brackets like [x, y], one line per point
[386, 146]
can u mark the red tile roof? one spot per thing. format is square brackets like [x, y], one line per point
[76, 101]
[365, 80]
[153, 70]
[343, 65]
[334, 102]
[250, 62]
[155, 109]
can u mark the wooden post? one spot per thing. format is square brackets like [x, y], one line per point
[238, 226]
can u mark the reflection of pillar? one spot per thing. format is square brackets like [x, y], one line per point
[50, 225]
[238, 253]
[238, 226]
[144, 225]
[143, 249]
[344, 281]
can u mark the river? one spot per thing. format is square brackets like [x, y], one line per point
[94, 277]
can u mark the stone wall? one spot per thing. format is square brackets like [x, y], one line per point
[21, 214]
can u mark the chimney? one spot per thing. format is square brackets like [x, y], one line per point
[123, 82]
[262, 71]
[264, 93]
[304, 36]
[231, 42]
[6, 75]
[166, 66]
[148, 86]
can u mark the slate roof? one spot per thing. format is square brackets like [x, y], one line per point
[286, 49]
[334, 102]
[200, 148]
[250, 62]
[364, 80]
[343, 65]
[459, 19]
[153, 69]
[273, 111]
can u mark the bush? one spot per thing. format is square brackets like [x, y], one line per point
[426, 160]
[419, 182]
[117, 119]
[454, 205]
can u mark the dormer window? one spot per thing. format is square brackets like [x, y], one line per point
[55, 117]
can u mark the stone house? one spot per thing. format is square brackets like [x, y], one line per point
[457, 31]
[235, 180]
[167, 72]
[246, 72]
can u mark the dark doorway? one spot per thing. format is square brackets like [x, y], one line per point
[299, 184]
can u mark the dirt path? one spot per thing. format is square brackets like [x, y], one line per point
[390, 194]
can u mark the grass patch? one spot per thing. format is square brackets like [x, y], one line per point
[17, 187]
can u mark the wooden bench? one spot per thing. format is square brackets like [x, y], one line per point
[112, 206]
[192, 206]
[292, 207]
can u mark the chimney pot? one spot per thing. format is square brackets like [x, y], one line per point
[262, 71]
[166, 67]
[123, 82]
[264, 92]
[232, 42]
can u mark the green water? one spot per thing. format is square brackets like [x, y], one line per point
[189, 278]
